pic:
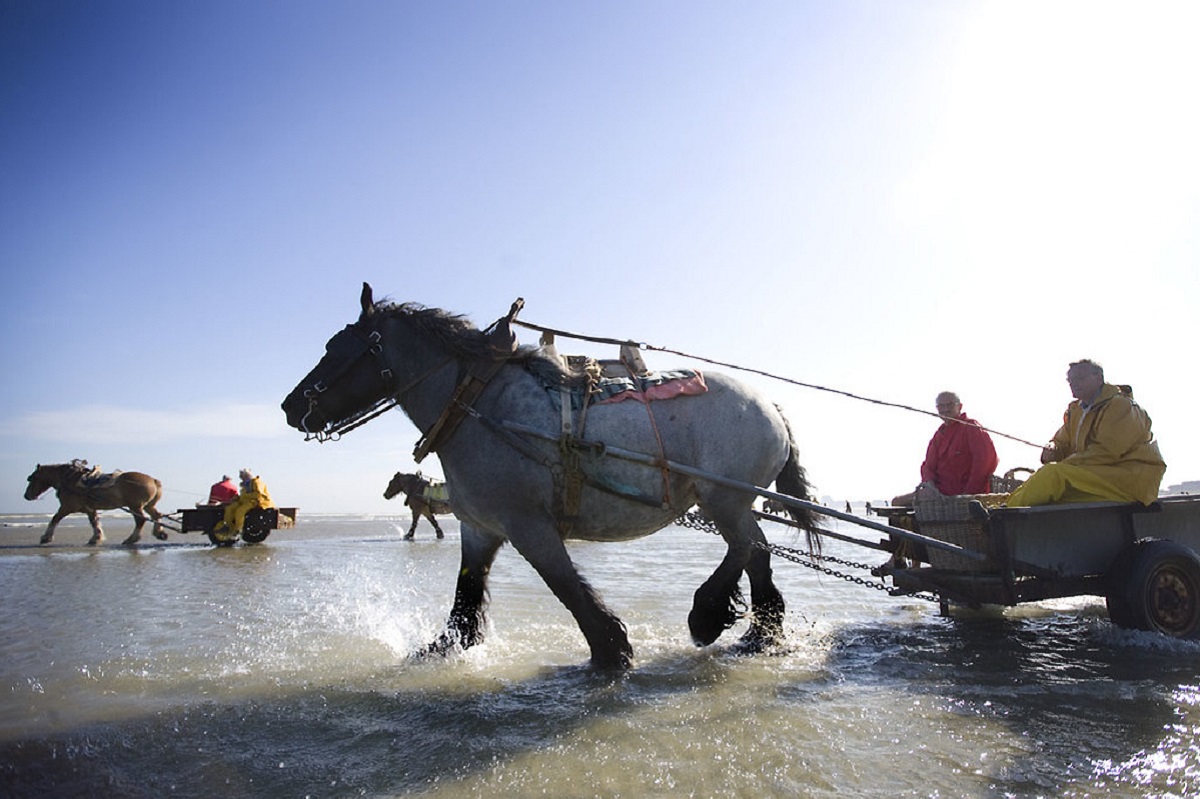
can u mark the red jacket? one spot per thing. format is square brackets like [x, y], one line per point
[222, 492]
[960, 458]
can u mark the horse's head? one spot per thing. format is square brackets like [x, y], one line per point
[39, 482]
[395, 486]
[402, 482]
[350, 381]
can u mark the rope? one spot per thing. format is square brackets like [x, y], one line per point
[781, 378]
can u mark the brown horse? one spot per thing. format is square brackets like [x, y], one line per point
[135, 492]
[413, 486]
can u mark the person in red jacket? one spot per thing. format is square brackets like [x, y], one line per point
[960, 458]
[222, 492]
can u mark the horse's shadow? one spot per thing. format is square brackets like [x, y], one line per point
[347, 740]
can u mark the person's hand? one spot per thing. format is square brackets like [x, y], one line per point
[928, 490]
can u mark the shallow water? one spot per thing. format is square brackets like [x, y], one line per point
[281, 670]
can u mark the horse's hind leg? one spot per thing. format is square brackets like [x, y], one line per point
[766, 603]
[433, 520]
[718, 603]
[97, 531]
[139, 521]
[156, 515]
[48, 536]
[464, 627]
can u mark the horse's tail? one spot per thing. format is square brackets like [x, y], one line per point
[793, 480]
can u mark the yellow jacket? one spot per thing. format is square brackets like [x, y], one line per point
[257, 493]
[1112, 438]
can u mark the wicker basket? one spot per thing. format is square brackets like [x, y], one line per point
[1009, 482]
[948, 519]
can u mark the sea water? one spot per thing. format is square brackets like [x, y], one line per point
[284, 670]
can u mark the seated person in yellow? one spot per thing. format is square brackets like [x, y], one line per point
[254, 495]
[1103, 452]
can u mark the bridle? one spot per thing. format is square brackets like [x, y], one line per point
[371, 345]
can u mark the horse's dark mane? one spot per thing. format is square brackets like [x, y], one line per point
[462, 337]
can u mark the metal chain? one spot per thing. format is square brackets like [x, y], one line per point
[807, 559]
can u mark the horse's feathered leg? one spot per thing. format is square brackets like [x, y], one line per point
[139, 521]
[718, 603]
[464, 627]
[156, 514]
[605, 633]
[412, 528]
[48, 536]
[433, 520]
[97, 531]
[766, 603]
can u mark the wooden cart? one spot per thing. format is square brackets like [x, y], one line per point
[258, 525]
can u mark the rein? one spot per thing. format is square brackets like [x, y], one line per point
[643, 345]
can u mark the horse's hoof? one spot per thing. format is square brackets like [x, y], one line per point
[438, 648]
[45, 541]
[95, 542]
[161, 536]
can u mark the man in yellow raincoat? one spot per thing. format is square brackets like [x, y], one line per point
[1103, 452]
[253, 495]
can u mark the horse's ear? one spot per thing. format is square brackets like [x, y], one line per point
[367, 300]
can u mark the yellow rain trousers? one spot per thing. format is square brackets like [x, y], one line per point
[1104, 453]
[255, 496]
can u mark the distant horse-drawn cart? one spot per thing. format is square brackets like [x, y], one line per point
[258, 525]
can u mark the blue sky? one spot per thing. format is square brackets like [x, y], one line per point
[890, 199]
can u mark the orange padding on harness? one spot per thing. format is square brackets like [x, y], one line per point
[681, 387]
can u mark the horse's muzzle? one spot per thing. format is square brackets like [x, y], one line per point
[301, 413]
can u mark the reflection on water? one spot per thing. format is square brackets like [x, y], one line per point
[282, 670]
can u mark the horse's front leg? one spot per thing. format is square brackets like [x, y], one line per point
[607, 638]
[97, 530]
[48, 536]
[139, 521]
[464, 627]
[412, 528]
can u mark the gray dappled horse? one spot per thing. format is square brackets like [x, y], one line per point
[413, 486]
[136, 492]
[506, 482]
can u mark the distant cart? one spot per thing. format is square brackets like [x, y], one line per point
[258, 525]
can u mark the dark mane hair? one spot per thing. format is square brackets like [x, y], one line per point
[462, 337]
[452, 330]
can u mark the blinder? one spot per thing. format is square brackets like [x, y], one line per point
[357, 345]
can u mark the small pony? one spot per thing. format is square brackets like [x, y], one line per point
[426, 497]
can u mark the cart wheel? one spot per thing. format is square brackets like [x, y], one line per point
[255, 536]
[225, 538]
[1162, 593]
[1116, 582]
